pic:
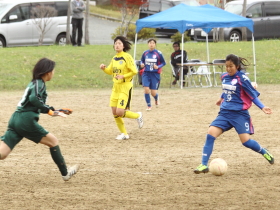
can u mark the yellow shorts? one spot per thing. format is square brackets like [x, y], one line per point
[121, 95]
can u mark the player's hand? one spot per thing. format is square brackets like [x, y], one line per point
[119, 76]
[155, 66]
[142, 65]
[102, 66]
[267, 110]
[56, 113]
[218, 103]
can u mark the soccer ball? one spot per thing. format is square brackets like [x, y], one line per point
[218, 166]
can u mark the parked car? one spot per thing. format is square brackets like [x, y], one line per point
[264, 13]
[17, 27]
[155, 6]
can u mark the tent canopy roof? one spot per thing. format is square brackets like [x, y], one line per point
[184, 17]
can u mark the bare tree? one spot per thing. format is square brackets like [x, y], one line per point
[128, 8]
[244, 29]
[87, 24]
[68, 38]
[42, 18]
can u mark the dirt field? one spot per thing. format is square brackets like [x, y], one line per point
[151, 170]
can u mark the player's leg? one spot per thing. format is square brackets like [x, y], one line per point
[4, 150]
[51, 141]
[213, 133]
[155, 82]
[123, 105]
[255, 146]
[146, 85]
[244, 128]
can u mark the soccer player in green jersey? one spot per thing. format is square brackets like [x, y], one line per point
[122, 68]
[24, 121]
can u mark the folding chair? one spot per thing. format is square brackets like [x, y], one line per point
[138, 80]
[202, 73]
[221, 70]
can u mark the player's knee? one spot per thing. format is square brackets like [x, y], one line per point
[2, 156]
[119, 112]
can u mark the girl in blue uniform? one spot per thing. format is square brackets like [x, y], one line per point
[153, 62]
[237, 97]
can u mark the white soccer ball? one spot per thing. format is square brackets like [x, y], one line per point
[254, 84]
[218, 166]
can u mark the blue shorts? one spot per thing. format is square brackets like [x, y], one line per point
[240, 120]
[151, 80]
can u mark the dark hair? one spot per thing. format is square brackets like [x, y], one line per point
[155, 41]
[239, 62]
[178, 43]
[126, 43]
[43, 66]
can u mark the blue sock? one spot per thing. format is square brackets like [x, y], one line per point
[148, 99]
[252, 144]
[156, 97]
[207, 149]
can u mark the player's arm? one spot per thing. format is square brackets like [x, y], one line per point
[130, 64]
[259, 104]
[36, 97]
[107, 70]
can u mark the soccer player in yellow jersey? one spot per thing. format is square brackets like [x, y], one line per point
[122, 68]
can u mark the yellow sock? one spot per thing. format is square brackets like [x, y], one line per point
[130, 114]
[120, 124]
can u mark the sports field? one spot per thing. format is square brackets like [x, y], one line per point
[151, 170]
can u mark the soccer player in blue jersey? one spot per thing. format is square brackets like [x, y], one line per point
[24, 121]
[122, 68]
[153, 62]
[237, 97]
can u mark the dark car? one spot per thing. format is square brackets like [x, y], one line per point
[155, 6]
[264, 13]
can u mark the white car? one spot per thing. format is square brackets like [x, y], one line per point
[17, 27]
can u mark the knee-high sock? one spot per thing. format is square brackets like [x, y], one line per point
[120, 124]
[130, 114]
[59, 160]
[148, 99]
[207, 149]
[252, 144]
[156, 97]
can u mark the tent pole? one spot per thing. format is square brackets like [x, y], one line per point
[181, 69]
[207, 48]
[135, 43]
[254, 56]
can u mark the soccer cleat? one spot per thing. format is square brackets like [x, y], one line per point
[268, 156]
[201, 169]
[71, 171]
[157, 102]
[140, 120]
[174, 82]
[149, 108]
[122, 137]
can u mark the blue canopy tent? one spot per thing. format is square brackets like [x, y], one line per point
[184, 17]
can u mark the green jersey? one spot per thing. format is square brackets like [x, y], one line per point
[34, 98]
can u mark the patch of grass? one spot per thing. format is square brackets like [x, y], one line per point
[78, 68]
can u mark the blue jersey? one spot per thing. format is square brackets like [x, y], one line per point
[238, 92]
[149, 58]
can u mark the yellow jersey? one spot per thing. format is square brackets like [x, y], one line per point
[122, 64]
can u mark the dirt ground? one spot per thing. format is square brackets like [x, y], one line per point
[151, 170]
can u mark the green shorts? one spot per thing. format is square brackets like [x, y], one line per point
[23, 124]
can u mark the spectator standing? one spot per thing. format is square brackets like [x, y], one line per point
[77, 9]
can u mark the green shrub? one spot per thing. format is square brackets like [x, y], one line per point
[144, 34]
[178, 37]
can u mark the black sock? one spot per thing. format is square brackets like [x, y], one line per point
[59, 160]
